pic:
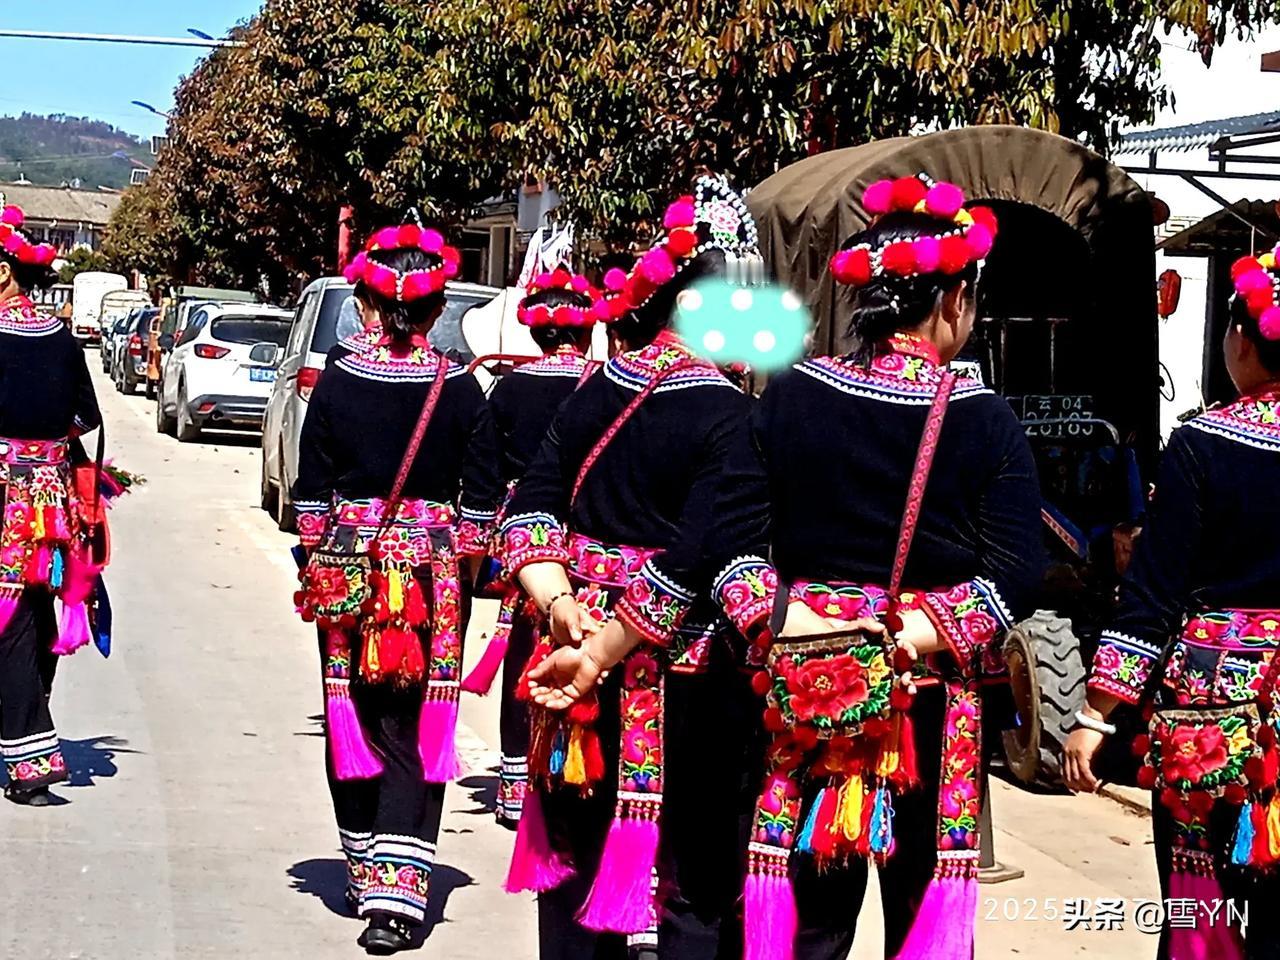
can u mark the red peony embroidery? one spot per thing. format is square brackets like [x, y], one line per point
[827, 688]
[1190, 753]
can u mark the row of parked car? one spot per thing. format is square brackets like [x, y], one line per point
[216, 359]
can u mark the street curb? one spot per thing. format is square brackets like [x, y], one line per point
[1136, 800]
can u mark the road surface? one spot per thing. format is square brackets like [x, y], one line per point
[197, 822]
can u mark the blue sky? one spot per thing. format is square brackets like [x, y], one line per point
[99, 80]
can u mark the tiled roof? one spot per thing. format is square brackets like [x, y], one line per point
[61, 204]
[1196, 136]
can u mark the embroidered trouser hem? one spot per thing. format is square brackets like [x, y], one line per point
[389, 825]
[28, 744]
[513, 723]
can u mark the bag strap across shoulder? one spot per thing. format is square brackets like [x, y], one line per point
[415, 444]
[627, 413]
[919, 480]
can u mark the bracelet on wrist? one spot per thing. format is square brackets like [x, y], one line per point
[1094, 724]
[559, 596]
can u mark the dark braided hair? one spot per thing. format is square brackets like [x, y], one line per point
[889, 304]
[402, 319]
[549, 336]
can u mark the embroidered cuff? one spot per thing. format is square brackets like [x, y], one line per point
[654, 605]
[968, 617]
[746, 590]
[312, 517]
[532, 538]
[1122, 666]
[475, 531]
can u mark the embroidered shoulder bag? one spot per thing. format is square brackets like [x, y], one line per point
[861, 663]
[338, 581]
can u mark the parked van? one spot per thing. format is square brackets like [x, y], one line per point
[87, 291]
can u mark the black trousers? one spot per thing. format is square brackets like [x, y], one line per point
[28, 741]
[1255, 895]
[389, 826]
[713, 761]
[828, 902]
[513, 718]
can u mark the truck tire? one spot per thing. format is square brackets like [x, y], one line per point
[1047, 677]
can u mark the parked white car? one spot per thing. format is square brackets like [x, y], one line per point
[220, 370]
[326, 314]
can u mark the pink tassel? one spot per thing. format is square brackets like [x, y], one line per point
[79, 578]
[769, 913]
[621, 899]
[480, 680]
[437, 728]
[1203, 941]
[943, 927]
[535, 866]
[73, 629]
[353, 758]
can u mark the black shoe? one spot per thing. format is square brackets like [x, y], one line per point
[37, 797]
[385, 935]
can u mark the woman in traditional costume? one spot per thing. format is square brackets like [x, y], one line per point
[809, 538]
[557, 309]
[1194, 643]
[46, 401]
[397, 456]
[639, 792]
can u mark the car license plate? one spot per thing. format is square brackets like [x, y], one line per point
[262, 374]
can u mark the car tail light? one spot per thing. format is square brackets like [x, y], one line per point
[208, 351]
[135, 346]
[308, 377]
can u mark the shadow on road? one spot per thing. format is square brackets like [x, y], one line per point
[228, 438]
[484, 793]
[91, 758]
[326, 880]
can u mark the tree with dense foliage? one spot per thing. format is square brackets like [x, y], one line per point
[617, 103]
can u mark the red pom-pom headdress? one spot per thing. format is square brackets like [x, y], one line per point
[1258, 285]
[949, 252]
[564, 315]
[16, 243]
[413, 284]
[713, 217]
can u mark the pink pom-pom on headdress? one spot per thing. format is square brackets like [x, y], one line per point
[928, 254]
[980, 240]
[13, 216]
[615, 279]
[943, 200]
[656, 266]
[431, 241]
[679, 214]
[878, 198]
[1269, 323]
[1252, 280]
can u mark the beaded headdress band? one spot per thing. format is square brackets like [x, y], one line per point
[409, 285]
[16, 243]
[967, 241]
[1258, 285]
[566, 314]
[713, 217]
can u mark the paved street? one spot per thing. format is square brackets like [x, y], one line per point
[198, 824]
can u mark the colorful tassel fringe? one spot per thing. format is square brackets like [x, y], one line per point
[535, 866]
[1242, 849]
[769, 916]
[944, 925]
[621, 898]
[437, 730]
[353, 758]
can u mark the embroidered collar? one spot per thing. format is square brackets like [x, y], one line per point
[904, 370]
[565, 361]
[18, 316]
[381, 362]
[365, 339]
[634, 369]
[1252, 420]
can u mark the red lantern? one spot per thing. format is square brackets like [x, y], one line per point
[1169, 292]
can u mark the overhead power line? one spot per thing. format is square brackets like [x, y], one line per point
[192, 41]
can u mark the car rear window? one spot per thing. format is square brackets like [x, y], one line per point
[143, 323]
[327, 330]
[251, 330]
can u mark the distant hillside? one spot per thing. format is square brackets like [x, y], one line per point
[59, 149]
